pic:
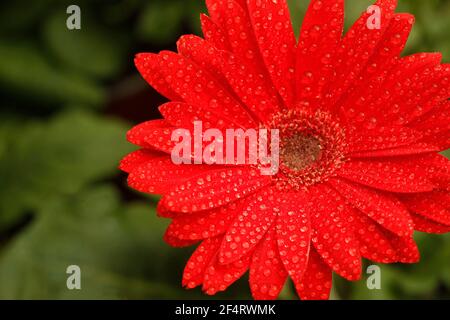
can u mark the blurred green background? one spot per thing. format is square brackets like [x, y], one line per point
[67, 100]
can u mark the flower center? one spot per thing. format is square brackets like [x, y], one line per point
[300, 151]
[312, 148]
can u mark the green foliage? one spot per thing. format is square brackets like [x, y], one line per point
[90, 50]
[28, 75]
[93, 231]
[46, 160]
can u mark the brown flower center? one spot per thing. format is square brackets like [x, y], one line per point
[300, 151]
[312, 148]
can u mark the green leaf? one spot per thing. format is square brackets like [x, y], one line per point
[118, 248]
[19, 15]
[93, 231]
[26, 74]
[160, 21]
[89, 50]
[46, 161]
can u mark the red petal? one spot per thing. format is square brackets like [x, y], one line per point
[205, 224]
[435, 126]
[148, 66]
[183, 115]
[250, 225]
[203, 54]
[293, 233]
[248, 84]
[426, 225]
[378, 67]
[413, 149]
[333, 235]
[407, 251]
[416, 94]
[213, 33]
[177, 243]
[357, 47]
[276, 40]
[381, 138]
[319, 38]
[233, 18]
[373, 97]
[194, 272]
[394, 176]
[383, 208]
[437, 168]
[197, 87]
[155, 134]
[432, 93]
[374, 243]
[160, 175]
[214, 189]
[137, 158]
[251, 87]
[432, 205]
[316, 283]
[267, 273]
[219, 277]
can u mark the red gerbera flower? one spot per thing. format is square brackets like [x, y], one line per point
[360, 129]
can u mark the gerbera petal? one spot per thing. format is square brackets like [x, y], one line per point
[435, 126]
[429, 226]
[213, 33]
[204, 225]
[154, 134]
[233, 17]
[160, 175]
[357, 47]
[373, 98]
[319, 38]
[381, 207]
[413, 149]
[316, 283]
[397, 99]
[432, 93]
[406, 248]
[248, 228]
[374, 243]
[246, 83]
[333, 235]
[183, 115]
[218, 277]
[433, 205]
[251, 87]
[293, 234]
[437, 168]
[203, 54]
[178, 243]
[194, 272]
[381, 138]
[267, 273]
[386, 175]
[378, 67]
[197, 87]
[214, 189]
[276, 40]
[148, 66]
[138, 158]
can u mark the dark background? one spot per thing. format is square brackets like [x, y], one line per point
[67, 100]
